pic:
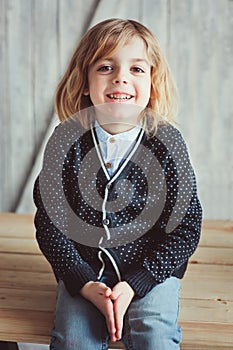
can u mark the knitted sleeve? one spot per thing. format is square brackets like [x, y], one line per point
[59, 250]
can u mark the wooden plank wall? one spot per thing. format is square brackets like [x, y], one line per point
[37, 38]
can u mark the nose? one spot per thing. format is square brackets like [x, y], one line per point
[120, 77]
[120, 81]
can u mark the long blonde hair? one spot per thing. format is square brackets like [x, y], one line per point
[104, 39]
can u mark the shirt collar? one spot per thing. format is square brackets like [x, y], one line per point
[104, 136]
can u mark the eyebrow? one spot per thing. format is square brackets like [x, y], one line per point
[143, 60]
[139, 60]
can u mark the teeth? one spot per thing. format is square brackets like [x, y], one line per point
[120, 97]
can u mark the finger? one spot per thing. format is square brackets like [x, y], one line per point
[104, 290]
[110, 321]
[108, 292]
[119, 327]
[116, 292]
[118, 317]
[118, 334]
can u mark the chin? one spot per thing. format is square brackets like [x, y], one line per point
[119, 112]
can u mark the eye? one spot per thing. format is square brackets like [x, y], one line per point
[105, 68]
[137, 70]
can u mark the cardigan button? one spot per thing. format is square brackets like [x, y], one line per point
[108, 165]
[106, 222]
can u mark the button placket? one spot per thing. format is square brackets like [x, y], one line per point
[106, 221]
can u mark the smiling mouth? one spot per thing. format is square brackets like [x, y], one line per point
[120, 97]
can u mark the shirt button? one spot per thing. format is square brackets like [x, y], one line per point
[106, 222]
[108, 165]
[112, 140]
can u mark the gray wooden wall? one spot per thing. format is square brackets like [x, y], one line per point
[36, 40]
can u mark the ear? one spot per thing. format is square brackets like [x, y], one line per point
[86, 92]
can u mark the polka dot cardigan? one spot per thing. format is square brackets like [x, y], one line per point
[145, 219]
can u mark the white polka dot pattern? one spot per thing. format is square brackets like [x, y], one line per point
[161, 252]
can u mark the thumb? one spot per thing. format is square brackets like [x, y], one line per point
[108, 292]
[115, 294]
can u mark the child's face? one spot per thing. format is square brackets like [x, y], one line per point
[122, 78]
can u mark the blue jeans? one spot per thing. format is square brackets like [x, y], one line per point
[150, 322]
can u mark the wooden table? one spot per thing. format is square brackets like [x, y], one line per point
[27, 287]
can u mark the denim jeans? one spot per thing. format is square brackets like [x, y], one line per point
[150, 322]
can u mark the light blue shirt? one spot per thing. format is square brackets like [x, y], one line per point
[115, 147]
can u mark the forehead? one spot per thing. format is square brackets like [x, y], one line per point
[134, 47]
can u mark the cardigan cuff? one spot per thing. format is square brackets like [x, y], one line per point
[141, 282]
[77, 277]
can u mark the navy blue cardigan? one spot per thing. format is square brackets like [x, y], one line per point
[149, 224]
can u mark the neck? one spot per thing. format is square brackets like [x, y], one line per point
[116, 128]
[117, 118]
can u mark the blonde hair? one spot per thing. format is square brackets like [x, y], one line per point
[104, 39]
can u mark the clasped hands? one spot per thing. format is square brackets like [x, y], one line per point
[112, 303]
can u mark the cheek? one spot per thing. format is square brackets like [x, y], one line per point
[95, 86]
[146, 90]
[149, 89]
[96, 93]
